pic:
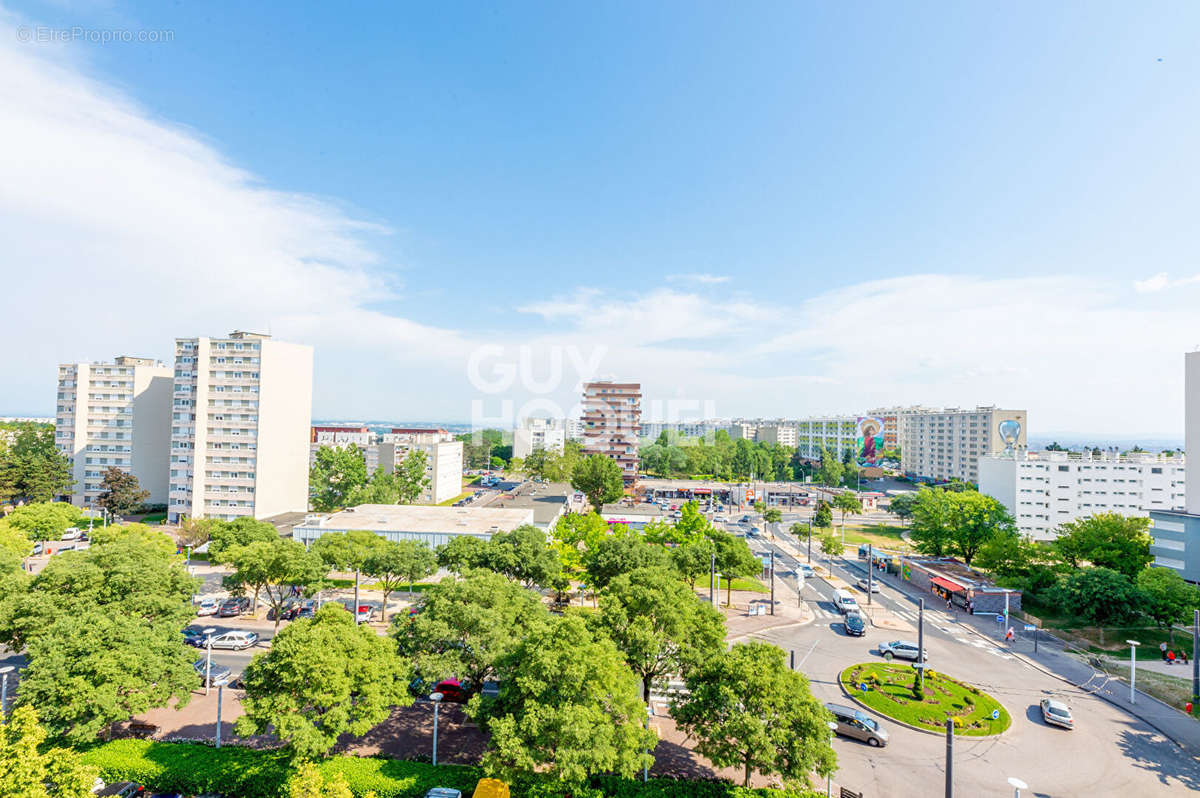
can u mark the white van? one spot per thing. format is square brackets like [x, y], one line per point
[844, 601]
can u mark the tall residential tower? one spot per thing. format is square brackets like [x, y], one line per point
[612, 419]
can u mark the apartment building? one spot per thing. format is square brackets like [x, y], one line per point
[783, 433]
[946, 444]
[240, 427]
[1044, 489]
[118, 415]
[612, 418]
[1176, 534]
[549, 435]
[741, 428]
[574, 429]
[651, 430]
[340, 436]
[894, 419]
[443, 461]
[835, 433]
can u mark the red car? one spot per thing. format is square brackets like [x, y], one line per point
[452, 691]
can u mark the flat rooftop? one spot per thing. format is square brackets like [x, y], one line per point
[423, 518]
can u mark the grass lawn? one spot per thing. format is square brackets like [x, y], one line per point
[890, 694]
[154, 518]
[752, 585]
[452, 500]
[1173, 690]
[884, 536]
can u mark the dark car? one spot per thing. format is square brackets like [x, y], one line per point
[122, 789]
[295, 608]
[233, 607]
[854, 624]
[194, 637]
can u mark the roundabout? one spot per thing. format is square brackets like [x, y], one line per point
[890, 689]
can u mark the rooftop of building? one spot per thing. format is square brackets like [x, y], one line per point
[1108, 456]
[423, 518]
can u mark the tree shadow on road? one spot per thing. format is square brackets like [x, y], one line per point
[1141, 747]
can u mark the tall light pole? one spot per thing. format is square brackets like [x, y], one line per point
[1195, 660]
[1133, 644]
[829, 776]
[220, 692]
[436, 698]
[4, 671]
[1017, 786]
[208, 633]
[646, 765]
[921, 643]
[772, 581]
[870, 573]
[949, 757]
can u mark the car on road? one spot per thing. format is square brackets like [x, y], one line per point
[235, 640]
[193, 636]
[233, 607]
[218, 674]
[294, 609]
[858, 725]
[745, 519]
[854, 624]
[71, 533]
[807, 570]
[904, 649]
[365, 611]
[864, 585]
[121, 789]
[453, 691]
[443, 792]
[207, 606]
[844, 601]
[1056, 713]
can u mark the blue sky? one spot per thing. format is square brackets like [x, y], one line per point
[774, 209]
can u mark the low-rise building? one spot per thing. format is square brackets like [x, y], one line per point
[443, 464]
[549, 435]
[1044, 489]
[431, 525]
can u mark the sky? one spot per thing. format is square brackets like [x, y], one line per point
[767, 209]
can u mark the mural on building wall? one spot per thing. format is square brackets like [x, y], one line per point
[868, 439]
[1010, 432]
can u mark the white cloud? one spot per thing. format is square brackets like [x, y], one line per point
[1152, 284]
[702, 278]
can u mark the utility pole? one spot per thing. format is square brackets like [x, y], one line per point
[949, 758]
[810, 539]
[772, 581]
[1195, 663]
[870, 573]
[712, 579]
[921, 643]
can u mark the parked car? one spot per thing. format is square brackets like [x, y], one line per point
[858, 725]
[807, 570]
[193, 636]
[1056, 713]
[236, 639]
[121, 789]
[218, 674]
[207, 606]
[294, 609]
[863, 585]
[365, 612]
[854, 624]
[307, 610]
[233, 607]
[71, 533]
[443, 792]
[453, 691]
[904, 649]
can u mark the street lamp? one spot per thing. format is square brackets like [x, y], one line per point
[220, 693]
[436, 698]
[208, 633]
[4, 671]
[1017, 786]
[829, 776]
[1133, 644]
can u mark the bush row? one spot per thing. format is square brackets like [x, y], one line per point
[237, 772]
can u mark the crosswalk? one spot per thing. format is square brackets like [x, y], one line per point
[937, 619]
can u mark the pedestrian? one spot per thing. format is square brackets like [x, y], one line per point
[1170, 657]
[949, 605]
[1163, 648]
[971, 606]
[1183, 655]
[1008, 636]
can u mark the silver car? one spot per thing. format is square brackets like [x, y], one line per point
[236, 640]
[904, 649]
[858, 725]
[1056, 713]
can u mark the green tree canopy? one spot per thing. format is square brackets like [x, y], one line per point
[398, 561]
[568, 708]
[658, 624]
[746, 709]
[271, 569]
[832, 545]
[1109, 540]
[28, 770]
[693, 560]
[598, 478]
[32, 468]
[14, 547]
[1100, 595]
[462, 553]
[976, 519]
[831, 470]
[621, 554]
[1168, 599]
[400, 486]
[320, 679]
[901, 505]
[153, 537]
[44, 520]
[121, 492]
[772, 515]
[524, 555]
[575, 533]
[822, 515]
[734, 559]
[932, 521]
[467, 625]
[335, 473]
[239, 532]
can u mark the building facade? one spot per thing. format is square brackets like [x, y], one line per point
[784, 433]
[443, 463]
[941, 445]
[549, 435]
[115, 415]
[835, 433]
[1176, 535]
[240, 427]
[612, 419]
[1044, 489]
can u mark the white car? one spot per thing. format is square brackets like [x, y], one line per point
[236, 640]
[207, 606]
[71, 533]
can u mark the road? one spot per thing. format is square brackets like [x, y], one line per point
[1108, 753]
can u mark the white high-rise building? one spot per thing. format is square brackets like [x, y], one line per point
[612, 419]
[115, 415]
[538, 433]
[1044, 489]
[443, 460]
[947, 444]
[240, 427]
[1176, 534]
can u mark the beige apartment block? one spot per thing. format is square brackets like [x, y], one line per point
[612, 420]
[118, 415]
[443, 462]
[240, 427]
[947, 444]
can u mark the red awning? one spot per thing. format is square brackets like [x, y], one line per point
[702, 490]
[946, 584]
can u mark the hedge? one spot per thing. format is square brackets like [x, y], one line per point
[237, 772]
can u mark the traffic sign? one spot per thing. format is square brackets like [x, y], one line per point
[995, 714]
[749, 494]
[999, 619]
[1030, 627]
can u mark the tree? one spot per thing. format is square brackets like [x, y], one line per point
[121, 492]
[524, 555]
[693, 560]
[462, 553]
[797, 529]
[734, 559]
[90, 669]
[831, 470]
[14, 547]
[621, 554]
[832, 546]
[1109, 540]
[847, 502]
[598, 478]
[400, 486]
[466, 626]
[822, 515]
[27, 772]
[335, 473]
[1007, 555]
[575, 533]
[320, 679]
[309, 782]
[44, 520]
[1100, 595]
[658, 625]
[194, 532]
[1168, 598]
[154, 537]
[396, 561]
[746, 708]
[975, 519]
[271, 569]
[772, 515]
[347, 551]
[932, 521]
[901, 506]
[239, 532]
[32, 467]
[568, 708]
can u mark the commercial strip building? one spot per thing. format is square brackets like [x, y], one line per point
[1176, 534]
[942, 445]
[443, 454]
[115, 415]
[240, 427]
[433, 526]
[1044, 489]
[549, 435]
[612, 418]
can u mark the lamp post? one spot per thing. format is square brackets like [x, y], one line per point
[646, 765]
[949, 758]
[4, 671]
[220, 693]
[810, 539]
[436, 698]
[208, 633]
[1133, 644]
[870, 573]
[829, 776]
[1017, 786]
